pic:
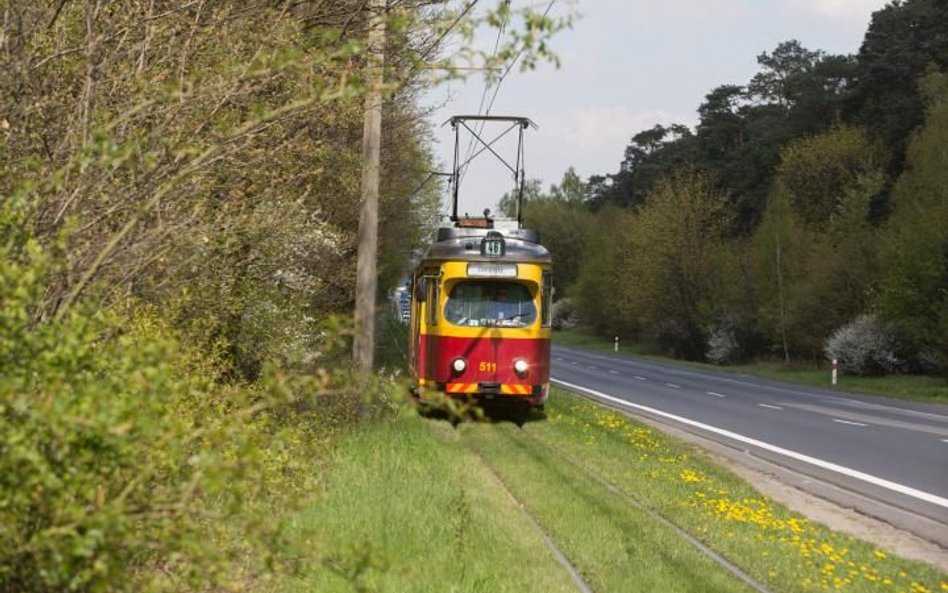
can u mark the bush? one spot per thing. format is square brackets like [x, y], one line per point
[864, 347]
[722, 345]
[124, 466]
[565, 314]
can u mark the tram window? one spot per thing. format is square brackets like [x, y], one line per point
[432, 303]
[483, 303]
[421, 287]
[546, 305]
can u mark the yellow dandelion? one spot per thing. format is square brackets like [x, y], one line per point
[879, 554]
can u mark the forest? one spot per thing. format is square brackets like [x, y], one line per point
[804, 218]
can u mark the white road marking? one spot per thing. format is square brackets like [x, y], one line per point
[573, 362]
[613, 372]
[672, 385]
[770, 406]
[849, 422]
[637, 378]
[716, 394]
[783, 389]
[944, 440]
[852, 473]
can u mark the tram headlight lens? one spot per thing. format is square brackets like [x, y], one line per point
[459, 365]
[521, 366]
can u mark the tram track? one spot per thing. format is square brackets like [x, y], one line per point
[581, 479]
[548, 540]
[683, 534]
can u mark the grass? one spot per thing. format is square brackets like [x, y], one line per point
[778, 547]
[408, 508]
[611, 542]
[924, 388]
[415, 504]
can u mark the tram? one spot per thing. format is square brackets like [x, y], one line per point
[481, 306]
[480, 315]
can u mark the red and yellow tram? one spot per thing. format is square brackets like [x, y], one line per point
[480, 315]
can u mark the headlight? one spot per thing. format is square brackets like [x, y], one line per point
[459, 365]
[521, 367]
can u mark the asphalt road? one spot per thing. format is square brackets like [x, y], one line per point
[886, 457]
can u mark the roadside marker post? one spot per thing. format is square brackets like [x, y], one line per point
[835, 371]
[616, 348]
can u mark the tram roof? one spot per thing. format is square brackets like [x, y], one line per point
[464, 244]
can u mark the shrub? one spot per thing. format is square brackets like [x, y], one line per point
[565, 314]
[722, 345]
[124, 466]
[864, 347]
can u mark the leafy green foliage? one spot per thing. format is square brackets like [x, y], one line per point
[124, 464]
[667, 256]
[814, 249]
[914, 288]
[904, 39]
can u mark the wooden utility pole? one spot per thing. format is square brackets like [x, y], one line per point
[366, 276]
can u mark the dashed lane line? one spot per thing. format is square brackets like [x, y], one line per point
[672, 385]
[849, 422]
[814, 461]
[715, 394]
[788, 389]
[638, 378]
[770, 407]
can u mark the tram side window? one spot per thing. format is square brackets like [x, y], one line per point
[432, 304]
[546, 306]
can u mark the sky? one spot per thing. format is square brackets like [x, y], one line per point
[627, 65]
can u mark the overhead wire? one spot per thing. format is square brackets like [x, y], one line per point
[424, 55]
[512, 62]
[487, 84]
[493, 98]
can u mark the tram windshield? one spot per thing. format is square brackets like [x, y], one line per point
[484, 303]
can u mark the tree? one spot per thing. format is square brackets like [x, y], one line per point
[652, 154]
[777, 82]
[721, 129]
[904, 38]
[597, 291]
[667, 263]
[816, 258]
[914, 288]
[818, 172]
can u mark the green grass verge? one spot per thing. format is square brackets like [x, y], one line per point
[409, 508]
[412, 504]
[613, 544]
[776, 546]
[910, 387]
